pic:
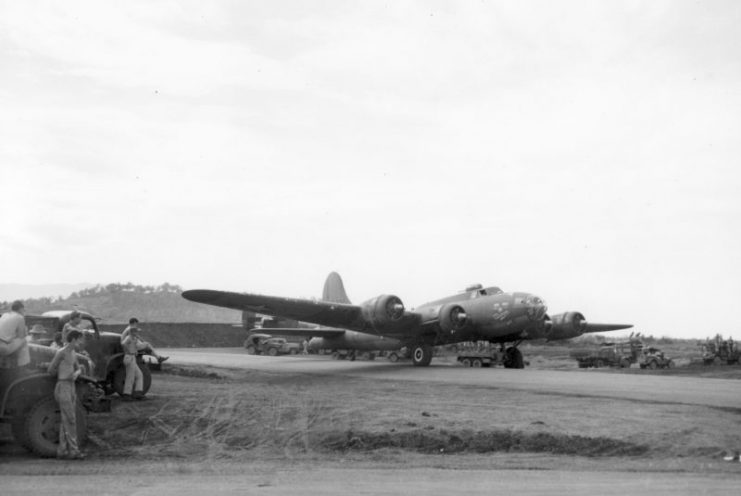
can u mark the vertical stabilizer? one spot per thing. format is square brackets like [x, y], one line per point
[334, 290]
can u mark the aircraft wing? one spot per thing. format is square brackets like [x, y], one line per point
[302, 331]
[589, 327]
[314, 311]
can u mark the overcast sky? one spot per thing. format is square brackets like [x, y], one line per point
[587, 152]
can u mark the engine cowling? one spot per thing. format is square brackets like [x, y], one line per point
[566, 325]
[383, 311]
[453, 318]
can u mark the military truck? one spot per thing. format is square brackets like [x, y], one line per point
[654, 358]
[103, 348]
[27, 403]
[265, 344]
[613, 354]
[478, 354]
[719, 350]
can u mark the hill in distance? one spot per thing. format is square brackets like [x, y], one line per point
[116, 303]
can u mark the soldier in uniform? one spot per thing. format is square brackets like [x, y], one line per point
[134, 383]
[65, 367]
[141, 345]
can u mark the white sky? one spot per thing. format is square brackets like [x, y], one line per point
[587, 152]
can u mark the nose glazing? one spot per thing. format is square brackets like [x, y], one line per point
[536, 308]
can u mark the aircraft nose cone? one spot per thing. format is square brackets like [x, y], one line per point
[536, 308]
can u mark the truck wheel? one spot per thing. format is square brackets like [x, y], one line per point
[293, 351]
[476, 363]
[119, 378]
[42, 427]
[653, 365]
[624, 363]
[393, 357]
[251, 349]
[421, 355]
[272, 351]
[599, 364]
[670, 364]
[466, 362]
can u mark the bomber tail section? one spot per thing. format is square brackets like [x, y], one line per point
[334, 290]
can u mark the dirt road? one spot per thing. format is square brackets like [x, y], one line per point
[722, 393]
[321, 482]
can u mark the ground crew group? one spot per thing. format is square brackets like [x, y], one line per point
[64, 366]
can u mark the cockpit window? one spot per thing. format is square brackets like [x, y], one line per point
[493, 290]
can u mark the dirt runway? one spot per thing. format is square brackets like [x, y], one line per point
[722, 393]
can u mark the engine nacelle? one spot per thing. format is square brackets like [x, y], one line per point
[566, 325]
[383, 311]
[453, 318]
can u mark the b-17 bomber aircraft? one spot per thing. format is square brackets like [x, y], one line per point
[476, 314]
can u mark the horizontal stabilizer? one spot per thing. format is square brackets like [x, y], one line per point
[298, 331]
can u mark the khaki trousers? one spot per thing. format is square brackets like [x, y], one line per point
[66, 396]
[134, 377]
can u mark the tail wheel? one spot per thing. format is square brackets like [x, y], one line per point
[42, 427]
[421, 355]
[119, 378]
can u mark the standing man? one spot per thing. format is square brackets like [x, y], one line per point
[134, 383]
[141, 345]
[65, 367]
[13, 347]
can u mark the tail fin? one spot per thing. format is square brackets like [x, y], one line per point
[334, 290]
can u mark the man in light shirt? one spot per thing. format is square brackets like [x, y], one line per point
[134, 383]
[13, 347]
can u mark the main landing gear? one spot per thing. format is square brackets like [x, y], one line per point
[421, 355]
[513, 358]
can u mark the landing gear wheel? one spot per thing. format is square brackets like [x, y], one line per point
[393, 357]
[513, 358]
[119, 378]
[421, 355]
[42, 427]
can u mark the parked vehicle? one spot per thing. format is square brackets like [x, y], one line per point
[654, 358]
[265, 344]
[103, 348]
[27, 403]
[719, 350]
[613, 354]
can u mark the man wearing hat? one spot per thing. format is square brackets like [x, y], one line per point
[36, 334]
[134, 383]
[141, 345]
